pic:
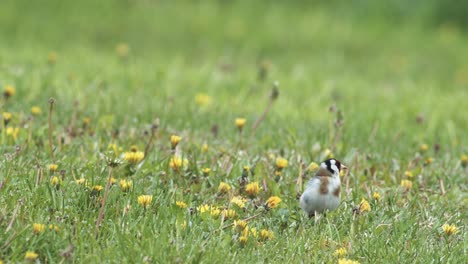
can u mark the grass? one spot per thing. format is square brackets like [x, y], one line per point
[194, 68]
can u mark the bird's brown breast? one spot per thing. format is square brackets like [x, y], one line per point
[323, 184]
[336, 192]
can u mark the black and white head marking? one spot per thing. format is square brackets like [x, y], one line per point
[332, 165]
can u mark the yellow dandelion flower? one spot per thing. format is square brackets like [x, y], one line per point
[266, 234]
[409, 174]
[215, 211]
[177, 163]
[202, 99]
[347, 261]
[313, 166]
[31, 256]
[248, 231]
[134, 157]
[97, 188]
[429, 161]
[9, 91]
[281, 163]
[13, 132]
[239, 201]
[376, 196]
[38, 228]
[240, 123]
[122, 49]
[406, 184]
[112, 180]
[206, 171]
[229, 213]
[54, 228]
[181, 204]
[328, 153]
[53, 167]
[449, 229]
[6, 117]
[273, 202]
[86, 121]
[204, 148]
[364, 206]
[125, 185]
[55, 181]
[223, 187]
[145, 200]
[35, 110]
[239, 225]
[342, 173]
[204, 208]
[464, 160]
[341, 252]
[423, 147]
[252, 189]
[243, 240]
[81, 181]
[175, 141]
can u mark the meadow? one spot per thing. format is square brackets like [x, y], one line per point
[183, 132]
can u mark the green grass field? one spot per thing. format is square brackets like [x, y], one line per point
[386, 97]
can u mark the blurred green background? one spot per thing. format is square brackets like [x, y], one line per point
[377, 60]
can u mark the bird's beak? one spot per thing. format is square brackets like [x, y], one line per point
[343, 167]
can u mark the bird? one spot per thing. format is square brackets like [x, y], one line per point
[323, 190]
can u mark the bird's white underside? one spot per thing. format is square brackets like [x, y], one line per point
[312, 200]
